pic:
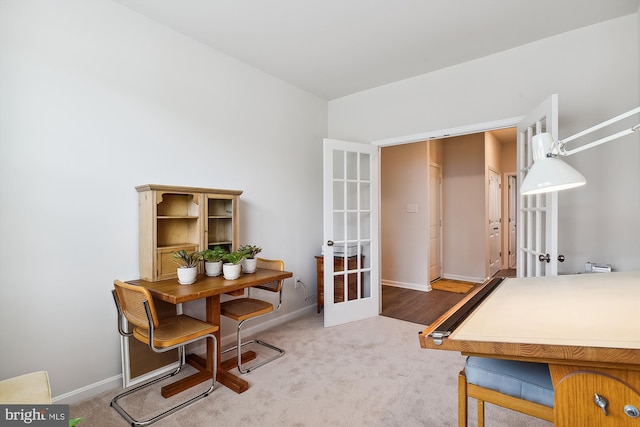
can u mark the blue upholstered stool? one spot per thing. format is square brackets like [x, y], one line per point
[520, 386]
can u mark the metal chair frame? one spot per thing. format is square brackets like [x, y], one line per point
[239, 344]
[114, 402]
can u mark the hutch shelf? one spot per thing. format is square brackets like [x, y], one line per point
[190, 218]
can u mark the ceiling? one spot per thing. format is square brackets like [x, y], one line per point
[334, 48]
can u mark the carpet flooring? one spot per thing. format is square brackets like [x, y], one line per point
[367, 373]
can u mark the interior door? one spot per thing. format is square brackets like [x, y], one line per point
[494, 235]
[435, 222]
[537, 214]
[513, 223]
[351, 230]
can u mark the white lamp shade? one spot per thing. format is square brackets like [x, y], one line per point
[550, 174]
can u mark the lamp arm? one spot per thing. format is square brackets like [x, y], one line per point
[559, 146]
[563, 152]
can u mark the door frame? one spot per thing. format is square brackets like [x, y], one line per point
[510, 196]
[430, 200]
[496, 193]
[445, 133]
[450, 132]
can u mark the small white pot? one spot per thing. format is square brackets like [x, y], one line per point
[213, 269]
[231, 271]
[187, 276]
[249, 265]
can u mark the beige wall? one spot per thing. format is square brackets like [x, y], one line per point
[464, 207]
[404, 172]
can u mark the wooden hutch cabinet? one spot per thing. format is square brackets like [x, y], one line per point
[173, 218]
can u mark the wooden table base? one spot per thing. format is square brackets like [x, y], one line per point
[224, 377]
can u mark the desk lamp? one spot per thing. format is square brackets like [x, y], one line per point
[549, 173]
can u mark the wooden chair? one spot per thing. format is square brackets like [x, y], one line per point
[136, 305]
[490, 388]
[247, 308]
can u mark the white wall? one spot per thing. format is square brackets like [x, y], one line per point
[96, 100]
[595, 72]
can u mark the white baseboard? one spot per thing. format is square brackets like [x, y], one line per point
[89, 391]
[405, 285]
[115, 382]
[463, 278]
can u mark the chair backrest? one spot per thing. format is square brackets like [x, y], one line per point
[131, 299]
[271, 264]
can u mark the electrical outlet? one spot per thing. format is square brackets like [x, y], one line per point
[296, 282]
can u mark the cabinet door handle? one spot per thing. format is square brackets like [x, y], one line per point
[329, 242]
[601, 402]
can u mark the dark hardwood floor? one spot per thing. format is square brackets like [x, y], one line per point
[421, 307]
[417, 306]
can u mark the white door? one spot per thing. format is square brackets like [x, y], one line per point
[351, 229]
[537, 214]
[494, 235]
[435, 222]
[513, 223]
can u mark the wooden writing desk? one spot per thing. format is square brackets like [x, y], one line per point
[210, 288]
[586, 327]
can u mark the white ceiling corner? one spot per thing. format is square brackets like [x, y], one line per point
[334, 48]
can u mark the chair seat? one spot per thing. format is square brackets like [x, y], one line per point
[524, 380]
[174, 330]
[245, 308]
[32, 388]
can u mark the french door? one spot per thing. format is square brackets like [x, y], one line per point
[351, 229]
[538, 213]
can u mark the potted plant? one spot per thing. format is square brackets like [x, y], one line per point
[213, 260]
[249, 262]
[232, 266]
[187, 265]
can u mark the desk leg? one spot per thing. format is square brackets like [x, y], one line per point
[225, 377]
[205, 366]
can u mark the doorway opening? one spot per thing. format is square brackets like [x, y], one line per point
[418, 235]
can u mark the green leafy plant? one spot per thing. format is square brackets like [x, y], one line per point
[186, 259]
[250, 251]
[234, 257]
[74, 421]
[213, 255]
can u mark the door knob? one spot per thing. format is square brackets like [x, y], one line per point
[329, 242]
[561, 258]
